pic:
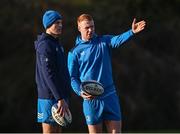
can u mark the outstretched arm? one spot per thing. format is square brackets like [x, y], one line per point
[116, 41]
[138, 26]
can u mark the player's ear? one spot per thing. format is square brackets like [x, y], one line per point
[79, 28]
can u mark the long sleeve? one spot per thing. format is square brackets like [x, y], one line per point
[118, 40]
[73, 68]
[50, 70]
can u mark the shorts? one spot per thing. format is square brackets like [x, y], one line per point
[44, 111]
[98, 110]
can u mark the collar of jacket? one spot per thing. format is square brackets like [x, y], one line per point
[80, 41]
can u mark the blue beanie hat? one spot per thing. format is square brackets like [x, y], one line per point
[50, 17]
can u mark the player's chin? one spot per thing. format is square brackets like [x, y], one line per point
[89, 37]
[59, 32]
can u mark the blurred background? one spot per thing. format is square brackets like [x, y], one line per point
[146, 69]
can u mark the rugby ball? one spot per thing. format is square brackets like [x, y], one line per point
[63, 121]
[92, 87]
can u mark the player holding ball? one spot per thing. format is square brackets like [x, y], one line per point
[52, 77]
[90, 59]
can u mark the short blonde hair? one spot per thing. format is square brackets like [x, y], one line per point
[83, 17]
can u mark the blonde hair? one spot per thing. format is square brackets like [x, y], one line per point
[83, 17]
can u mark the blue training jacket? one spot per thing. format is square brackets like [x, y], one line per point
[52, 77]
[91, 60]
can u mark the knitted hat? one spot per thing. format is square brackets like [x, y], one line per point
[50, 17]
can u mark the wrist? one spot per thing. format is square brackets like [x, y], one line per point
[133, 32]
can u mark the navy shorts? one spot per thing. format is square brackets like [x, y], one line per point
[97, 110]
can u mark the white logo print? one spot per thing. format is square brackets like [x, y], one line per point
[46, 59]
[62, 49]
[40, 115]
[83, 53]
[88, 118]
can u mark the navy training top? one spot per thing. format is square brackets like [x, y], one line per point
[52, 77]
